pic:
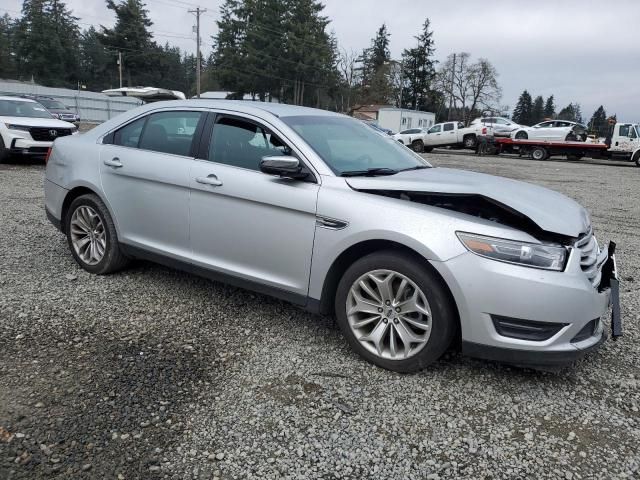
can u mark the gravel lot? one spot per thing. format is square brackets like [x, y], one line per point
[152, 373]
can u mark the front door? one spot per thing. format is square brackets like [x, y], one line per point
[145, 176]
[434, 136]
[245, 223]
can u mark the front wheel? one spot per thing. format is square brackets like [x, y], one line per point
[91, 235]
[4, 152]
[636, 158]
[395, 312]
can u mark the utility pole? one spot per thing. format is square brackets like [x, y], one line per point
[401, 85]
[120, 67]
[453, 73]
[198, 11]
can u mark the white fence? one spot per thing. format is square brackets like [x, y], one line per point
[92, 107]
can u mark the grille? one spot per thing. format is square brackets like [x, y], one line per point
[43, 134]
[589, 250]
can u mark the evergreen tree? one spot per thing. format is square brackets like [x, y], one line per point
[419, 70]
[549, 108]
[537, 111]
[376, 69]
[46, 40]
[522, 113]
[571, 112]
[598, 122]
[7, 47]
[97, 66]
[131, 36]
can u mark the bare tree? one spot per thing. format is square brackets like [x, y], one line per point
[471, 86]
[347, 66]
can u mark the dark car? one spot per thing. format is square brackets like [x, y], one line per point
[58, 109]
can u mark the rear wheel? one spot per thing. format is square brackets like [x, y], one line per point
[91, 235]
[417, 146]
[539, 153]
[395, 312]
[470, 141]
[636, 158]
[521, 135]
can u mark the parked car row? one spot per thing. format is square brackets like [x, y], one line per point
[27, 128]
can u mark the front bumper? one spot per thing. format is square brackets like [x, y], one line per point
[28, 147]
[485, 289]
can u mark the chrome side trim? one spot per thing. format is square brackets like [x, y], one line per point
[330, 223]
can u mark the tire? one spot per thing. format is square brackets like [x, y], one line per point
[470, 141]
[417, 146]
[4, 152]
[539, 153]
[521, 136]
[89, 209]
[636, 158]
[431, 341]
[571, 137]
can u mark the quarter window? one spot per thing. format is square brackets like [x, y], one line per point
[170, 132]
[240, 143]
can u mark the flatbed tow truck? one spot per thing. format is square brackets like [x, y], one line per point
[623, 143]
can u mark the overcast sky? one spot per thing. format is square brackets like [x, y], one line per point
[584, 51]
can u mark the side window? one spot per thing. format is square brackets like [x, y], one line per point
[404, 132]
[632, 132]
[544, 125]
[561, 124]
[501, 121]
[448, 127]
[241, 143]
[129, 135]
[624, 130]
[435, 129]
[170, 132]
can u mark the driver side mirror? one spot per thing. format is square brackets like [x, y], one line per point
[282, 165]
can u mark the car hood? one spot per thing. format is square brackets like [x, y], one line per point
[549, 210]
[37, 122]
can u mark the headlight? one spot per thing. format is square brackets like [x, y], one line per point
[12, 126]
[549, 257]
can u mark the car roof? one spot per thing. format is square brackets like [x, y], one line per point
[245, 106]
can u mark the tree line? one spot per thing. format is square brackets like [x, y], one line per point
[280, 49]
[530, 111]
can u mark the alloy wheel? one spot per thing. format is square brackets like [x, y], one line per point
[88, 235]
[389, 314]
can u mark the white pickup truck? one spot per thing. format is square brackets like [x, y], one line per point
[455, 134]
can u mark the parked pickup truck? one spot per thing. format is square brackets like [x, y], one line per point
[453, 134]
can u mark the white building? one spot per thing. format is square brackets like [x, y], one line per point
[397, 119]
[221, 95]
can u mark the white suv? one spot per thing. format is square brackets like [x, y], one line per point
[27, 128]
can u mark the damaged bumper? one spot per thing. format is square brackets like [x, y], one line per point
[528, 316]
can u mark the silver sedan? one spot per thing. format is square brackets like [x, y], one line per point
[320, 210]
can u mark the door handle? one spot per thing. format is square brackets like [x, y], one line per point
[114, 162]
[209, 180]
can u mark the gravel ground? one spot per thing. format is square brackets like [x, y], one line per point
[152, 373]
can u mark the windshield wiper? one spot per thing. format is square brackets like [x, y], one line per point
[417, 167]
[369, 172]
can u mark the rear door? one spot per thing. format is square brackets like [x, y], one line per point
[145, 177]
[449, 136]
[245, 223]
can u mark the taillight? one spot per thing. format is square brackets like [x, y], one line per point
[484, 130]
[46, 157]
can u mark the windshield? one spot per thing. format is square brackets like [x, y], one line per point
[22, 108]
[52, 104]
[346, 145]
